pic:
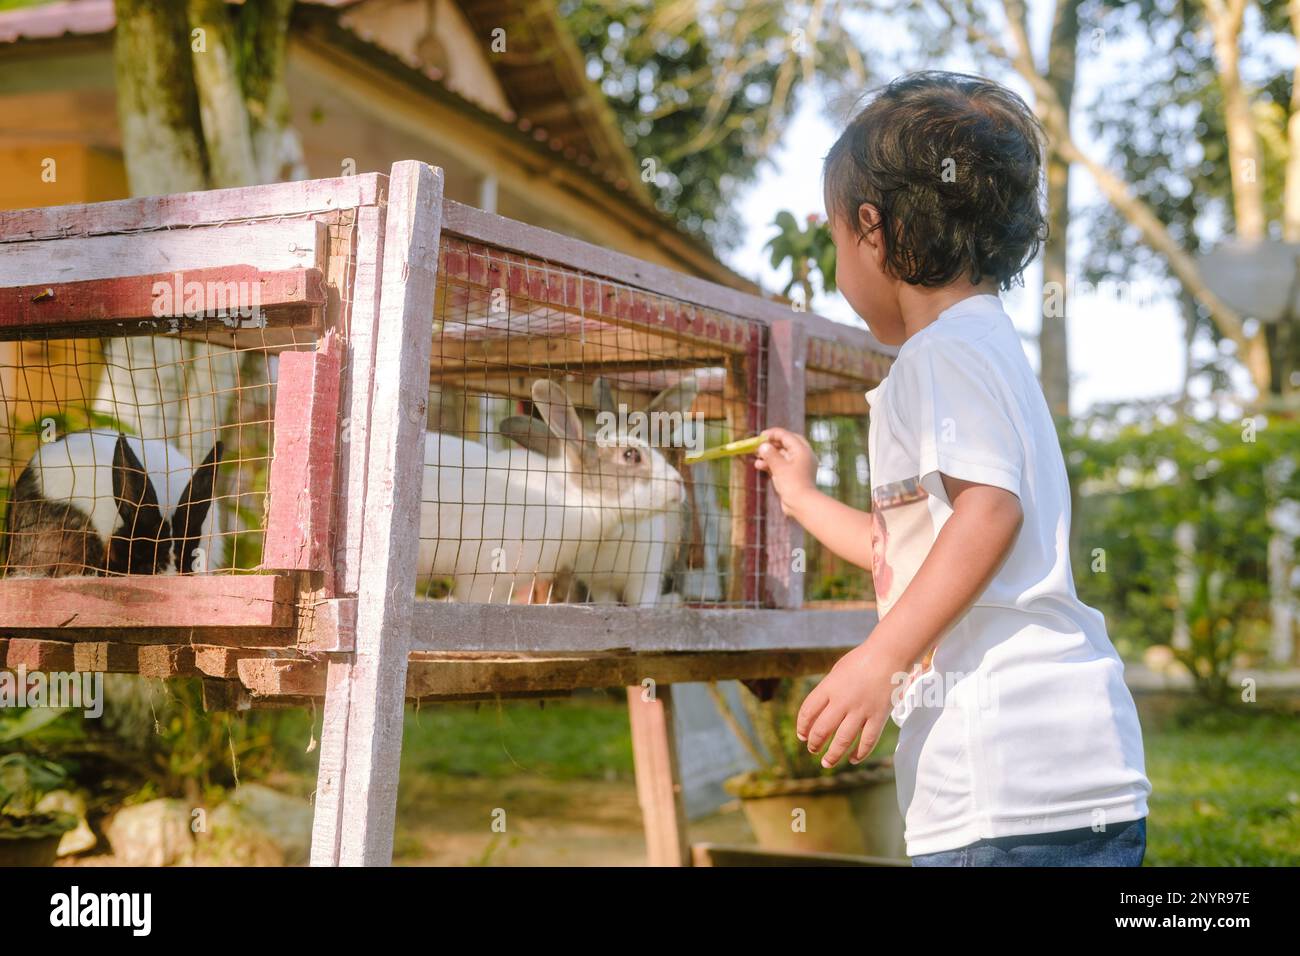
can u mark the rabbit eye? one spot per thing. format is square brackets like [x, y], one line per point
[632, 456]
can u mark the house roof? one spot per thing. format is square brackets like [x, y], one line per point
[543, 76]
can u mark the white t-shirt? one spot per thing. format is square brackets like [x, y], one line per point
[1019, 722]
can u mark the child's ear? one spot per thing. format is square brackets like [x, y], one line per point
[869, 223]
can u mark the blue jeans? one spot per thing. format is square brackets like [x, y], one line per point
[1121, 844]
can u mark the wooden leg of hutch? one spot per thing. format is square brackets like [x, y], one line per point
[327, 820]
[375, 679]
[658, 784]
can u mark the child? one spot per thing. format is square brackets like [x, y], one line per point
[1019, 743]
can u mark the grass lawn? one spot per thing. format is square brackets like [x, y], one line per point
[1226, 788]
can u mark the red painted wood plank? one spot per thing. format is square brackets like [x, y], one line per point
[593, 297]
[219, 600]
[467, 227]
[301, 483]
[35, 655]
[162, 300]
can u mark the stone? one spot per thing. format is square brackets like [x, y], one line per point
[74, 841]
[156, 833]
[259, 826]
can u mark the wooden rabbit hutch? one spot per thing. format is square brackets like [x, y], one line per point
[332, 559]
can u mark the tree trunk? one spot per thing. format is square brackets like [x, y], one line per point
[187, 125]
[158, 386]
[1243, 145]
[1252, 350]
[1291, 191]
[1053, 341]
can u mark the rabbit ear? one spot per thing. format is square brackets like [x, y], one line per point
[137, 502]
[134, 547]
[676, 398]
[555, 407]
[196, 499]
[531, 433]
[603, 395]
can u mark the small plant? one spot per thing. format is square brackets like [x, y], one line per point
[808, 250]
[23, 781]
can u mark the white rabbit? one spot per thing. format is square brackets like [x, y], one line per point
[99, 502]
[634, 564]
[494, 520]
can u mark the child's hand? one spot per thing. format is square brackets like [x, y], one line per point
[854, 699]
[792, 463]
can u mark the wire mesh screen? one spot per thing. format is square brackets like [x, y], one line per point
[140, 455]
[563, 407]
[837, 430]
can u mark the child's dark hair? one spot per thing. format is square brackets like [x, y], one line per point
[953, 163]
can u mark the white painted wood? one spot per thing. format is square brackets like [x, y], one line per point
[354, 403]
[390, 540]
[186, 210]
[362, 321]
[327, 818]
[518, 628]
[269, 246]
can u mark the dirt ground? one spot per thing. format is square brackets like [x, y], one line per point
[443, 821]
[448, 821]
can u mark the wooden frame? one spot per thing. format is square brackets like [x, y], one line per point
[351, 270]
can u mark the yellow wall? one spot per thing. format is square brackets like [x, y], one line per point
[44, 378]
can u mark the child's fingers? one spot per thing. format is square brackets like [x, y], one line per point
[778, 437]
[825, 726]
[809, 711]
[847, 732]
[867, 742]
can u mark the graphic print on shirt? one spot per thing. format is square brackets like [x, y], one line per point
[901, 535]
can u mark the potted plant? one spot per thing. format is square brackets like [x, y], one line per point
[792, 803]
[27, 837]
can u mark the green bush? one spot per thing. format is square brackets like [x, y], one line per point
[1138, 482]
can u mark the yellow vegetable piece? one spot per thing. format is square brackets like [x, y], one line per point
[744, 446]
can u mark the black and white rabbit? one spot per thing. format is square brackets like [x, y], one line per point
[97, 502]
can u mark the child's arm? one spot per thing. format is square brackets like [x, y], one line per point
[791, 462]
[855, 697]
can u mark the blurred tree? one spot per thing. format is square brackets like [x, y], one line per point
[201, 104]
[1171, 138]
[1240, 115]
[704, 88]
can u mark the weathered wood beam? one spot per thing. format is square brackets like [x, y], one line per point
[448, 625]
